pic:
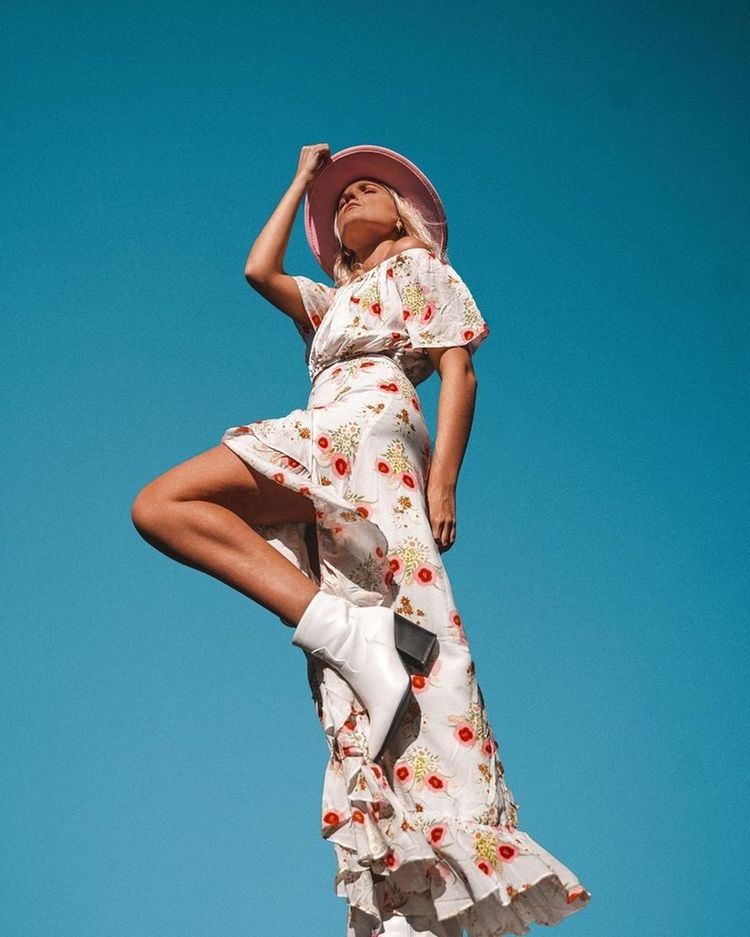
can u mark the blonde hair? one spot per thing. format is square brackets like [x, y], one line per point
[414, 223]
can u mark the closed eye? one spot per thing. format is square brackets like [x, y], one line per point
[368, 188]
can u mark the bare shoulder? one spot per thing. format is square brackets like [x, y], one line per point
[406, 243]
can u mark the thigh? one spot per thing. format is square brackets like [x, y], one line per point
[221, 476]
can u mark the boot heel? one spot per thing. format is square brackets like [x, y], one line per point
[413, 642]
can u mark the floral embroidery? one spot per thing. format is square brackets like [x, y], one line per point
[437, 818]
[415, 302]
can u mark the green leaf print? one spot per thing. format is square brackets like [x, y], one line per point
[346, 438]
[397, 457]
[424, 762]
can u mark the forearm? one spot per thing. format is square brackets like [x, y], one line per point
[455, 415]
[267, 253]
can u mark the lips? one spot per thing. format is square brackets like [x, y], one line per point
[350, 205]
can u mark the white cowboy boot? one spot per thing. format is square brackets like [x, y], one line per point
[359, 643]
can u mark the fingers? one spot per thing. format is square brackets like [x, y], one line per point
[444, 534]
[312, 158]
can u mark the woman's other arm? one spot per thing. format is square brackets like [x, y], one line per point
[458, 387]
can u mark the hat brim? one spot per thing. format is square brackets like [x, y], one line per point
[366, 162]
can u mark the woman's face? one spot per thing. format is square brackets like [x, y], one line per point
[365, 214]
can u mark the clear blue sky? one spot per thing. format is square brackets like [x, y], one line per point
[162, 763]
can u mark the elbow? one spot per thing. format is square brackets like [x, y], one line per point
[257, 275]
[252, 275]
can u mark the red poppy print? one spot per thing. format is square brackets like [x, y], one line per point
[507, 852]
[360, 451]
[396, 564]
[331, 818]
[408, 480]
[391, 859]
[465, 734]
[340, 464]
[403, 773]
[424, 575]
[436, 835]
[427, 313]
[383, 467]
[575, 893]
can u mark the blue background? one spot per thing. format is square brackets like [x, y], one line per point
[162, 763]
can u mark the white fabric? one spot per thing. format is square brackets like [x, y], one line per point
[433, 831]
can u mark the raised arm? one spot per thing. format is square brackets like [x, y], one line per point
[264, 267]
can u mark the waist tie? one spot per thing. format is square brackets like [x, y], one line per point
[362, 354]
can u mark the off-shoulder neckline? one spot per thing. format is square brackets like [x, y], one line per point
[380, 264]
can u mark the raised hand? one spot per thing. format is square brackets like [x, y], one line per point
[312, 159]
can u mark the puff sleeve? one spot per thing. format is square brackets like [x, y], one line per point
[316, 298]
[438, 308]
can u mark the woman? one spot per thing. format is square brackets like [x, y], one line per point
[334, 517]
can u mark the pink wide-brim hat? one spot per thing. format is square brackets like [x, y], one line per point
[366, 162]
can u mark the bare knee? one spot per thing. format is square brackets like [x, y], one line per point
[148, 509]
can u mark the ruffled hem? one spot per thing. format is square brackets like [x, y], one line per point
[440, 892]
[455, 874]
[445, 876]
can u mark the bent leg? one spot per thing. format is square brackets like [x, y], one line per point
[202, 513]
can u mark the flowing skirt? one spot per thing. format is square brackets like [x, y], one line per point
[432, 834]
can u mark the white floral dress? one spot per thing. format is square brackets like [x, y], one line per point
[433, 834]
